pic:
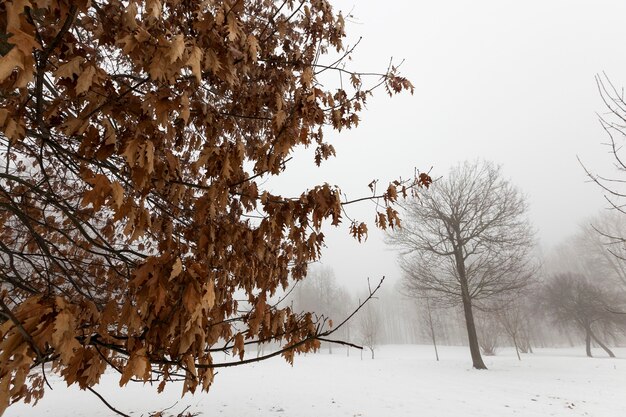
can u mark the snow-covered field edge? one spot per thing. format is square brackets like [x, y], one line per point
[403, 380]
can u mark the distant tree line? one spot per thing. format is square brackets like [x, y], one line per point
[475, 225]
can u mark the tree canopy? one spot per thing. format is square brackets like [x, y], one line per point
[134, 140]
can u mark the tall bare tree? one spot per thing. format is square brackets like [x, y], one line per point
[466, 240]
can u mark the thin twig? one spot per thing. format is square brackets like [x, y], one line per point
[115, 410]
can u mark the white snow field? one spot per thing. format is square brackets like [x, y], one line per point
[403, 380]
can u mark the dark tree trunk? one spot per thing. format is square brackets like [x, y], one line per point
[588, 342]
[602, 345]
[477, 360]
[372, 352]
[472, 338]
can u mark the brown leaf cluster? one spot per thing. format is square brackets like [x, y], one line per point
[135, 137]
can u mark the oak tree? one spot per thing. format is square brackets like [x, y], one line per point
[465, 241]
[135, 137]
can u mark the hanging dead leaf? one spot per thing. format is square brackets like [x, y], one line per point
[177, 47]
[194, 61]
[239, 346]
[70, 68]
[85, 79]
[177, 268]
[9, 62]
[118, 194]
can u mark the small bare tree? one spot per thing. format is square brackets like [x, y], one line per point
[576, 302]
[323, 295]
[430, 319]
[466, 240]
[514, 321]
[369, 326]
[489, 331]
[602, 243]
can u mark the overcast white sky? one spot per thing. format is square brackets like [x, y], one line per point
[508, 81]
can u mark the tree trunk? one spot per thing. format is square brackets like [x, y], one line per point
[602, 345]
[524, 344]
[516, 348]
[432, 329]
[588, 342]
[477, 360]
[372, 349]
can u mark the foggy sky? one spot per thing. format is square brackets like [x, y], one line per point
[508, 81]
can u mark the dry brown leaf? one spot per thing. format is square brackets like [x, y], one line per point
[118, 193]
[194, 61]
[85, 79]
[70, 68]
[177, 268]
[239, 346]
[208, 300]
[14, 59]
[177, 47]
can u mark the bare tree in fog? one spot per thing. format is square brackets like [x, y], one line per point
[591, 252]
[603, 243]
[369, 322]
[322, 294]
[429, 319]
[428, 312]
[514, 319]
[465, 240]
[613, 121]
[611, 233]
[489, 332]
[576, 302]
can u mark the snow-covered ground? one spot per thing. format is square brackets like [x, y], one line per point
[401, 381]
